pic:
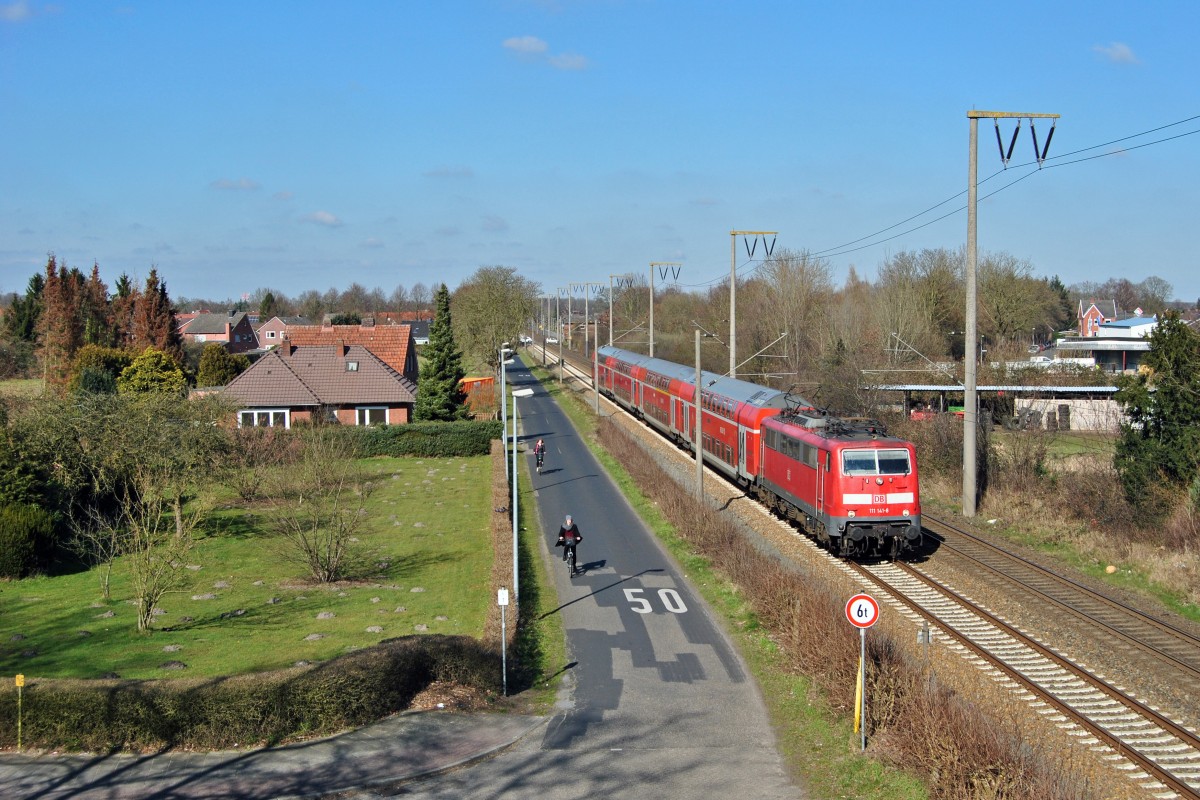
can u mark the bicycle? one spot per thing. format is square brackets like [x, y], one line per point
[571, 561]
[540, 458]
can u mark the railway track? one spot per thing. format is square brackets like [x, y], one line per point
[1166, 754]
[1157, 752]
[1140, 634]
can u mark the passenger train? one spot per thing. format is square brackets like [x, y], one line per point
[845, 482]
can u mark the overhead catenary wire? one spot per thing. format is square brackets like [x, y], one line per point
[1035, 166]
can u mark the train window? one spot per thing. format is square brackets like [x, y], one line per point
[893, 462]
[875, 462]
[809, 454]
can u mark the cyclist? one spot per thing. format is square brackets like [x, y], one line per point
[568, 539]
[539, 452]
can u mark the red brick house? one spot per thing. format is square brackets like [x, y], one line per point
[392, 344]
[271, 333]
[232, 330]
[1090, 320]
[343, 383]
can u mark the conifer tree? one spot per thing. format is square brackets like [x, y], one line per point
[20, 323]
[439, 385]
[154, 322]
[1160, 441]
[60, 329]
[125, 298]
[95, 311]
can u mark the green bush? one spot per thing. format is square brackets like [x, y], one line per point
[426, 439]
[26, 539]
[264, 708]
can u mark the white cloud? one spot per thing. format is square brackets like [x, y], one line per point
[526, 45]
[15, 12]
[323, 218]
[450, 172]
[494, 224]
[241, 184]
[1117, 52]
[568, 61]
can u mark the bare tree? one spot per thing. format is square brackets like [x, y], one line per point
[318, 508]
[419, 296]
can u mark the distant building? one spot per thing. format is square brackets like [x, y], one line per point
[232, 330]
[1116, 345]
[270, 333]
[420, 331]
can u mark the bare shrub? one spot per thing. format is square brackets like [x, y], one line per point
[318, 508]
[257, 450]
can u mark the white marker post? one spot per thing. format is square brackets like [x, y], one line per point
[502, 601]
[863, 612]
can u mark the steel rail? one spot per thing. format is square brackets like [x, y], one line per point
[1149, 765]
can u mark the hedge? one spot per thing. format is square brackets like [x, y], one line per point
[426, 439]
[246, 710]
[26, 539]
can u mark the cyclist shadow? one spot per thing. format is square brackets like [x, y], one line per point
[580, 569]
[546, 471]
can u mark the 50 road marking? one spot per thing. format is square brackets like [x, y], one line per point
[669, 597]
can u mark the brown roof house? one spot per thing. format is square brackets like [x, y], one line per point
[232, 330]
[341, 382]
[392, 344]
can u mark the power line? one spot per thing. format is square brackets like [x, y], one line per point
[844, 248]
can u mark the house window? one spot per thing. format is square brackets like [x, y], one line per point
[264, 418]
[372, 415]
[270, 334]
[351, 366]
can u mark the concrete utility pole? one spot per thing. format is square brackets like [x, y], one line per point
[699, 428]
[622, 283]
[558, 334]
[970, 396]
[653, 266]
[733, 288]
[587, 287]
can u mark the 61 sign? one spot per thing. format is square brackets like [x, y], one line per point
[862, 611]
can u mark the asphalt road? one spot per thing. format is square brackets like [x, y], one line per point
[657, 702]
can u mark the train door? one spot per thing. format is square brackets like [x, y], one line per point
[822, 470]
[741, 459]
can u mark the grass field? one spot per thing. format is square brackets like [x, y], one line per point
[247, 607]
[30, 387]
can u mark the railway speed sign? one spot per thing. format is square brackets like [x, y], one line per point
[862, 611]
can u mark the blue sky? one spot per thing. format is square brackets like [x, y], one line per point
[305, 145]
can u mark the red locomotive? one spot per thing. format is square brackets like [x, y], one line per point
[844, 481]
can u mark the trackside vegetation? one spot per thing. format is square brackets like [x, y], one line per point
[926, 740]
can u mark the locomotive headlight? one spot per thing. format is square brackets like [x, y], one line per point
[851, 513]
[905, 513]
[879, 481]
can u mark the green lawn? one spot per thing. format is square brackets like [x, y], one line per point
[427, 525]
[25, 387]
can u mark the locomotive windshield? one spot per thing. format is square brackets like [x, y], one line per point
[875, 462]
